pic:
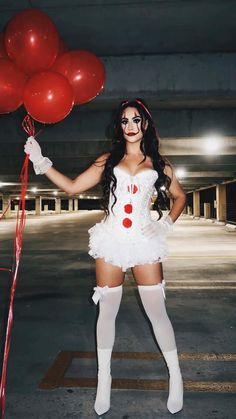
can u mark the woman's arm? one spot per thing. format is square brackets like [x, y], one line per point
[83, 182]
[177, 193]
[86, 180]
[165, 225]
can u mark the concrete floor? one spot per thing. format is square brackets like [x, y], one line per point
[53, 313]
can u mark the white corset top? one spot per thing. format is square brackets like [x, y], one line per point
[132, 208]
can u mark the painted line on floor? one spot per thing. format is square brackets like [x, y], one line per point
[215, 281]
[202, 257]
[55, 377]
[189, 284]
[200, 288]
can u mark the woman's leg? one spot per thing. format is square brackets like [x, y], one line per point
[151, 285]
[108, 292]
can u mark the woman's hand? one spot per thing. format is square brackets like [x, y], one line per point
[41, 164]
[162, 227]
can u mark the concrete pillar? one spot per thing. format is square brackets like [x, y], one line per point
[45, 207]
[58, 205]
[221, 202]
[70, 205]
[196, 204]
[207, 210]
[76, 204]
[6, 206]
[189, 210]
[38, 203]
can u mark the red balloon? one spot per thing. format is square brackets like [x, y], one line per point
[48, 97]
[32, 41]
[3, 53]
[12, 82]
[85, 72]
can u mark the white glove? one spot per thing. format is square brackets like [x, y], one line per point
[162, 227]
[41, 164]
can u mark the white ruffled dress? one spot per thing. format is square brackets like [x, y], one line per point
[119, 239]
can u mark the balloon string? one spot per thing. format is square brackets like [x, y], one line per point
[20, 224]
[28, 125]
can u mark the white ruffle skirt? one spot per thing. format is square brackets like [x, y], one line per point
[125, 250]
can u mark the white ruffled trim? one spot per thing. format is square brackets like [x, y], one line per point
[125, 254]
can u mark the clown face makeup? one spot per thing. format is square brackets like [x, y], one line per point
[131, 123]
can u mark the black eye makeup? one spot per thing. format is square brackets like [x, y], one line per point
[136, 120]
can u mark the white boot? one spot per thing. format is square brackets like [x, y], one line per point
[175, 399]
[102, 402]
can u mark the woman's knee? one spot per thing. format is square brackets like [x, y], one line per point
[110, 297]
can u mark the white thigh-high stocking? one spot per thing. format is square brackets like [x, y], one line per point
[109, 303]
[153, 300]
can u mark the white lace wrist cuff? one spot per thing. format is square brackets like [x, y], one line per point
[42, 167]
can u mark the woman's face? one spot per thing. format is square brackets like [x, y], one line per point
[131, 122]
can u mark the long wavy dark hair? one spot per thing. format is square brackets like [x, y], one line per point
[149, 146]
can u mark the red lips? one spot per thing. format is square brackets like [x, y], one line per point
[131, 134]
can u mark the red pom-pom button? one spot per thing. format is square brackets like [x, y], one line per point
[128, 208]
[134, 188]
[127, 223]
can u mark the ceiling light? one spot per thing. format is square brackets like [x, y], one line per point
[34, 190]
[55, 193]
[180, 173]
[212, 143]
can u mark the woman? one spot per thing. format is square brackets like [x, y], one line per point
[127, 237]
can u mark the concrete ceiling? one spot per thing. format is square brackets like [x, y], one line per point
[180, 56]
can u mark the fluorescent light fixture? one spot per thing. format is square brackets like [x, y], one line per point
[9, 184]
